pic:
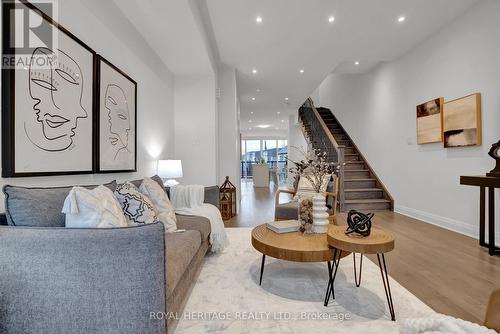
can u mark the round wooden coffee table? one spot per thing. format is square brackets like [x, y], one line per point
[378, 242]
[294, 246]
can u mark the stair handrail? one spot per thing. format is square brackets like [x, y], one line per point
[323, 125]
[340, 149]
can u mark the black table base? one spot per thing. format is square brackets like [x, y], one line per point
[492, 248]
[332, 270]
[485, 183]
[330, 267]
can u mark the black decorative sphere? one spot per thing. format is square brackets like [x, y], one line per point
[359, 222]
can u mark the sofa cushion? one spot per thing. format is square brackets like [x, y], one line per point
[287, 211]
[181, 248]
[197, 223]
[37, 206]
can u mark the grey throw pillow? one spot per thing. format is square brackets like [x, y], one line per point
[155, 178]
[37, 206]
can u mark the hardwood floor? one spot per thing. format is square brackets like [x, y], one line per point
[446, 270]
[257, 205]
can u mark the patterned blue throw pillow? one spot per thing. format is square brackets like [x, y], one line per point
[137, 207]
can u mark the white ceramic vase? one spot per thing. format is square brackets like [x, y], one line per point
[320, 216]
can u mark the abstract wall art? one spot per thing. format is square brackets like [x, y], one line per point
[47, 98]
[429, 122]
[462, 121]
[116, 119]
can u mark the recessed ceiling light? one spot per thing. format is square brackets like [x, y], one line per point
[286, 98]
[254, 71]
[331, 19]
[251, 112]
[401, 19]
[278, 112]
[356, 63]
[263, 126]
[282, 121]
[257, 90]
[249, 121]
[253, 98]
[301, 71]
[258, 19]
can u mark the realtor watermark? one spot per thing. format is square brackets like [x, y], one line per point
[250, 316]
[30, 29]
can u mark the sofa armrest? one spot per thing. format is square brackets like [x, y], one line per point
[3, 219]
[62, 280]
[212, 195]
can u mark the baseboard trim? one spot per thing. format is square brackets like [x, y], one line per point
[440, 221]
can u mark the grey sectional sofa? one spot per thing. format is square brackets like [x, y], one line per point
[124, 280]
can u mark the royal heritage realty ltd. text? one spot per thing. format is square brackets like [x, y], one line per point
[257, 316]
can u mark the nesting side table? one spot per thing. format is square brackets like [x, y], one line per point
[378, 242]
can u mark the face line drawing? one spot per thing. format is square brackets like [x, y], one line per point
[54, 121]
[119, 96]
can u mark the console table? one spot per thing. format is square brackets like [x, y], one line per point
[491, 183]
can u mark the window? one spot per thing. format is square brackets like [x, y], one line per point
[273, 151]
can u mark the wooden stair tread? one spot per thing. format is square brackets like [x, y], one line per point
[363, 189]
[373, 200]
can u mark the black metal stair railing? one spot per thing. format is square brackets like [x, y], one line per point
[320, 138]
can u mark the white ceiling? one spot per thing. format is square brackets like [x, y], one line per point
[296, 34]
[172, 31]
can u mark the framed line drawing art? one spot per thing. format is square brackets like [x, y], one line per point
[430, 122]
[47, 97]
[462, 121]
[116, 118]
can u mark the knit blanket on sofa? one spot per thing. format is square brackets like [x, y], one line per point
[188, 200]
[442, 324]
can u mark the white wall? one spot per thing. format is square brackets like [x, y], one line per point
[296, 144]
[229, 128]
[196, 128]
[378, 111]
[102, 27]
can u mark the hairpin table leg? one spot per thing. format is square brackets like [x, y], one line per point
[358, 282]
[333, 274]
[262, 268]
[387, 287]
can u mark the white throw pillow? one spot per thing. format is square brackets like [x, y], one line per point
[158, 195]
[306, 190]
[137, 207]
[85, 208]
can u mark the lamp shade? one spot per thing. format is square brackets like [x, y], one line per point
[169, 169]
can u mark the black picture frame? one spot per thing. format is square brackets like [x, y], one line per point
[99, 60]
[9, 100]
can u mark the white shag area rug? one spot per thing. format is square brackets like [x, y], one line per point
[227, 297]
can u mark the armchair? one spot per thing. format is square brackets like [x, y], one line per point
[289, 210]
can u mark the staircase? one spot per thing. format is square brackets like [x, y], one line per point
[360, 188]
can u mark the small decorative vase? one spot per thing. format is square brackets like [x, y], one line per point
[305, 214]
[320, 216]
